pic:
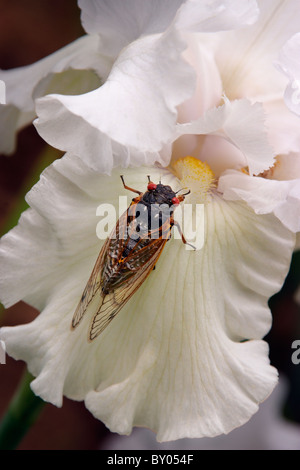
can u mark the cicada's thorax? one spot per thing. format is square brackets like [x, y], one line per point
[150, 217]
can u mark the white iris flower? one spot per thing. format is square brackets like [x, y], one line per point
[185, 357]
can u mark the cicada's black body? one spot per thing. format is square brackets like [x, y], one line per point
[148, 214]
[128, 255]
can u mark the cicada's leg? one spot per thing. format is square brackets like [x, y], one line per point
[127, 187]
[181, 234]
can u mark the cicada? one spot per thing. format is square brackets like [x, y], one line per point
[129, 254]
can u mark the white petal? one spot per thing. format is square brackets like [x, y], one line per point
[211, 16]
[47, 259]
[63, 202]
[292, 96]
[132, 116]
[217, 379]
[208, 92]
[289, 63]
[267, 430]
[21, 82]
[246, 57]
[58, 228]
[39, 244]
[221, 155]
[119, 23]
[55, 73]
[288, 57]
[287, 167]
[242, 124]
[172, 360]
[265, 196]
[283, 128]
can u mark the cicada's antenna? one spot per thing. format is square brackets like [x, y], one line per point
[185, 194]
[148, 176]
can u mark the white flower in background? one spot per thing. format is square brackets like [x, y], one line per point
[185, 357]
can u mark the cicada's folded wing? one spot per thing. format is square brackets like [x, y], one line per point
[121, 268]
[108, 256]
[140, 262]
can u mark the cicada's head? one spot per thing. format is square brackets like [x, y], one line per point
[163, 194]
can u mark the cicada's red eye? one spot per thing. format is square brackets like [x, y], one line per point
[151, 186]
[175, 201]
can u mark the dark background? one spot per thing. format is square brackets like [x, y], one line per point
[29, 31]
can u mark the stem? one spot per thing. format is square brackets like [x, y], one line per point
[21, 414]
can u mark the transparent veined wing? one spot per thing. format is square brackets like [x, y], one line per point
[108, 254]
[116, 277]
[115, 300]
